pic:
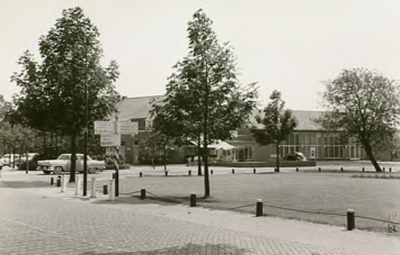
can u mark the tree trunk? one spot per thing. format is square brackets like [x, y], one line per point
[371, 157]
[73, 157]
[164, 161]
[277, 158]
[199, 157]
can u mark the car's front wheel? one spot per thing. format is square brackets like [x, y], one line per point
[58, 170]
[92, 170]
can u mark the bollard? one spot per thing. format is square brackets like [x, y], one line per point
[390, 169]
[383, 169]
[142, 194]
[190, 173]
[341, 169]
[111, 190]
[166, 173]
[351, 221]
[363, 169]
[233, 171]
[140, 174]
[297, 169]
[192, 199]
[64, 183]
[52, 181]
[59, 181]
[212, 171]
[105, 189]
[254, 170]
[259, 208]
[78, 186]
[319, 169]
[93, 193]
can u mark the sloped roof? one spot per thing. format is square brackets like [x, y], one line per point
[139, 107]
[136, 107]
[305, 119]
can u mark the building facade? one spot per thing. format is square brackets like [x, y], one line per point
[308, 138]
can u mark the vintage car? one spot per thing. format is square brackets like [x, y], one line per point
[63, 164]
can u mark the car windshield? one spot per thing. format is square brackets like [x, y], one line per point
[64, 157]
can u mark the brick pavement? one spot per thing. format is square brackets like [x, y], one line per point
[31, 223]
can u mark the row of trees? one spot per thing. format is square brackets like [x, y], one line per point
[204, 100]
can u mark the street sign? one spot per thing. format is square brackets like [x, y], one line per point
[127, 128]
[104, 127]
[110, 140]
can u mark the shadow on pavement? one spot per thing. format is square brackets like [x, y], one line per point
[190, 248]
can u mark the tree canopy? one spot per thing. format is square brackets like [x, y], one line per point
[275, 124]
[53, 91]
[204, 98]
[364, 105]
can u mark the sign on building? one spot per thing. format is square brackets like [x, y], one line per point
[110, 140]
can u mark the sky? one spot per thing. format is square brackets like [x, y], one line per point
[288, 45]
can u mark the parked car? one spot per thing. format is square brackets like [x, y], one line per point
[8, 159]
[296, 156]
[63, 164]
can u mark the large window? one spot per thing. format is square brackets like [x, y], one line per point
[248, 152]
[333, 148]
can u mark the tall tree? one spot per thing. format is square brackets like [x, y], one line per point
[365, 105]
[71, 54]
[276, 124]
[204, 98]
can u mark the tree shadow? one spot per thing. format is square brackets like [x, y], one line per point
[190, 248]
[26, 184]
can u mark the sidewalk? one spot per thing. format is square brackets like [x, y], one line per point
[324, 236]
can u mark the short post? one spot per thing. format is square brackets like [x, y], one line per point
[363, 169]
[189, 173]
[254, 170]
[142, 194]
[390, 169]
[192, 199]
[212, 171]
[383, 169]
[259, 208]
[105, 189]
[64, 183]
[116, 183]
[341, 169]
[319, 169]
[52, 181]
[297, 169]
[140, 174]
[78, 186]
[93, 188]
[351, 222]
[275, 170]
[233, 170]
[59, 181]
[111, 190]
[166, 173]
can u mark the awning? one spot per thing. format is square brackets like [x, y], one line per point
[218, 145]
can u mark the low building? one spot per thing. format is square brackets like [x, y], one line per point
[308, 138]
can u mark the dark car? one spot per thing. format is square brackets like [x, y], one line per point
[296, 156]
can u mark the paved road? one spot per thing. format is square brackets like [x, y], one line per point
[31, 223]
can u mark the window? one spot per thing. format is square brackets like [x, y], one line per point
[248, 152]
[142, 124]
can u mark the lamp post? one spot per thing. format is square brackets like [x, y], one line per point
[85, 141]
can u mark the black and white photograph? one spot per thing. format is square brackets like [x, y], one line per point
[200, 127]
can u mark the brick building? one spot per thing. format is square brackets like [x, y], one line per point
[307, 137]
